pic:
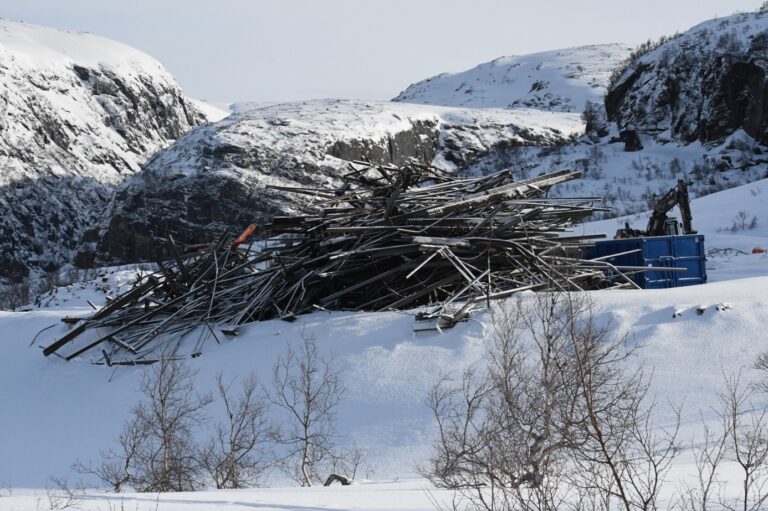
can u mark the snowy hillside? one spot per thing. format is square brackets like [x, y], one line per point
[214, 177]
[704, 84]
[558, 81]
[68, 410]
[78, 113]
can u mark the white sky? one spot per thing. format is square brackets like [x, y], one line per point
[277, 50]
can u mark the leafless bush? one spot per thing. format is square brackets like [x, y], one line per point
[552, 421]
[743, 221]
[747, 433]
[62, 495]
[237, 455]
[349, 461]
[117, 466]
[157, 450]
[15, 294]
[169, 416]
[308, 389]
[709, 452]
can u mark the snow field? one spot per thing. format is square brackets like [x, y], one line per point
[56, 412]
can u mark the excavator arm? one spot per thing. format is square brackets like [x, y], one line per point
[677, 196]
[685, 207]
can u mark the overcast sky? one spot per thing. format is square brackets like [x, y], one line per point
[277, 50]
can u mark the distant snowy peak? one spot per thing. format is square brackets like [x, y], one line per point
[559, 81]
[78, 113]
[704, 84]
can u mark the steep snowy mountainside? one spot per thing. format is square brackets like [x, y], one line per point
[214, 177]
[78, 113]
[560, 81]
[702, 85]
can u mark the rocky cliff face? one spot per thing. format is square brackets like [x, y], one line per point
[78, 113]
[216, 177]
[702, 85]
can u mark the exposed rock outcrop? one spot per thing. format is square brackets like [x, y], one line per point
[702, 85]
[78, 113]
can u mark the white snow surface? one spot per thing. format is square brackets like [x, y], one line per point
[559, 80]
[55, 411]
[35, 46]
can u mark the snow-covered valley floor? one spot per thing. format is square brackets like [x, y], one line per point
[54, 412]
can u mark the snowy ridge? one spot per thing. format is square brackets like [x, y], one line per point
[308, 129]
[559, 81]
[34, 46]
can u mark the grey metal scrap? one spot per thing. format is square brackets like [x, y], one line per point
[388, 238]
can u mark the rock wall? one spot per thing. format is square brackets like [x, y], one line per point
[700, 86]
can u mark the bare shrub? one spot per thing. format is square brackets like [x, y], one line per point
[552, 419]
[237, 456]
[116, 466]
[308, 389]
[747, 433]
[15, 294]
[169, 416]
[743, 221]
[157, 450]
[709, 452]
[62, 495]
[349, 461]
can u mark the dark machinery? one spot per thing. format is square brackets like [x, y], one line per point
[661, 225]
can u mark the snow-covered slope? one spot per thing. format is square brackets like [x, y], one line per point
[560, 81]
[60, 411]
[78, 113]
[702, 85]
[213, 177]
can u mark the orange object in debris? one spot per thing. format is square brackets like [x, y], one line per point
[759, 251]
[244, 236]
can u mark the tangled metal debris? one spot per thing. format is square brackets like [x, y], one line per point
[390, 238]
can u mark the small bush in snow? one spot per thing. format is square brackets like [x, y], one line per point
[743, 221]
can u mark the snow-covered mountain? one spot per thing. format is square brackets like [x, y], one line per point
[559, 81]
[702, 85]
[694, 102]
[78, 113]
[214, 177]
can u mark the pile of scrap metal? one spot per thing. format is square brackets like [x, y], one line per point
[389, 238]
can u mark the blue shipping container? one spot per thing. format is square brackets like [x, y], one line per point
[658, 251]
